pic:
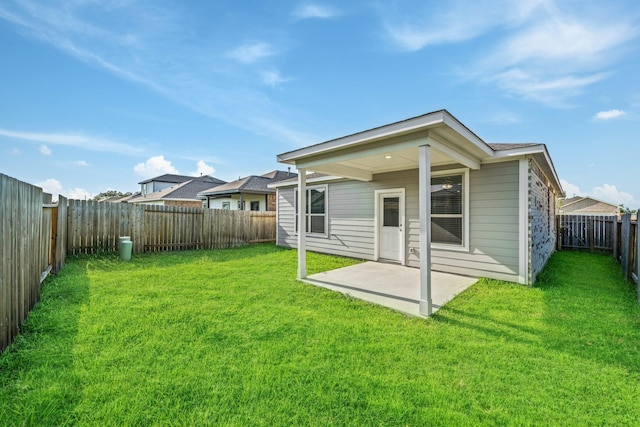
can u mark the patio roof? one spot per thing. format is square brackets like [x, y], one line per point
[395, 146]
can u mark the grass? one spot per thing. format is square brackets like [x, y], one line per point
[230, 338]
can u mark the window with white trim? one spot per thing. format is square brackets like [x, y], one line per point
[316, 211]
[447, 209]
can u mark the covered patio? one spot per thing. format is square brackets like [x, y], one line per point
[434, 139]
[391, 285]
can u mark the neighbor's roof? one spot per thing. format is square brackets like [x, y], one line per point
[251, 184]
[178, 179]
[587, 204]
[184, 191]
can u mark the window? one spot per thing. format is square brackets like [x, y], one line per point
[255, 205]
[447, 207]
[226, 206]
[316, 211]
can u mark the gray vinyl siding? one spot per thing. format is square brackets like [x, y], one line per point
[493, 222]
[493, 227]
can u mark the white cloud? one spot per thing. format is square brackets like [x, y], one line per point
[81, 163]
[77, 140]
[154, 166]
[605, 192]
[55, 188]
[558, 37]
[609, 114]
[610, 193]
[310, 10]
[544, 88]
[45, 151]
[78, 194]
[254, 52]
[543, 50]
[15, 151]
[203, 169]
[571, 190]
[273, 78]
[50, 185]
[452, 22]
[148, 43]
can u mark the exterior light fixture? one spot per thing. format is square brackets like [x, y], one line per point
[388, 156]
[447, 186]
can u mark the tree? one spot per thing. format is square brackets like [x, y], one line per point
[108, 194]
[624, 209]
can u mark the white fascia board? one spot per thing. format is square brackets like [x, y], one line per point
[522, 151]
[462, 130]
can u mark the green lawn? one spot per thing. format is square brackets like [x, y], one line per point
[229, 337]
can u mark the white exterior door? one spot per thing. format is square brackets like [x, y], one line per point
[390, 219]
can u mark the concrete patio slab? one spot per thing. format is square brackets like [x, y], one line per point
[391, 285]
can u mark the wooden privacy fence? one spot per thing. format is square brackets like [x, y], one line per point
[32, 244]
[586, 232]
[96, 226]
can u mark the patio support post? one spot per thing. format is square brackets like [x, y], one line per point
[424, 196]
[302, 223]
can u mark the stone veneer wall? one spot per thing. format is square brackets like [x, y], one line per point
[542, 223]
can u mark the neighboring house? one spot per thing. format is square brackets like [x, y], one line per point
[183, 191]
[153, 185]
[425, 192]
[587, 206]
[249, 193]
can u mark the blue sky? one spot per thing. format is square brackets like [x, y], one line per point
[99, 95]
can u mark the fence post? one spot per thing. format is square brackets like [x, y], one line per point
[615, 238]
[638, 255]
[625, 246]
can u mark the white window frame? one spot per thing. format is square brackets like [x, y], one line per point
[227, 207]
[308, 215]
[465, 210]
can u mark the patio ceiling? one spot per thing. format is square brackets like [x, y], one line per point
[393, 148]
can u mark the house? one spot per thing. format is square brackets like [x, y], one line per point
[587, 206]
[174, 190]
[425, 192]
[249, 193]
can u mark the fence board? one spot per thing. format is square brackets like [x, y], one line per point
[27, 249]
[96, 226]
[626, 248]
[586, 232]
